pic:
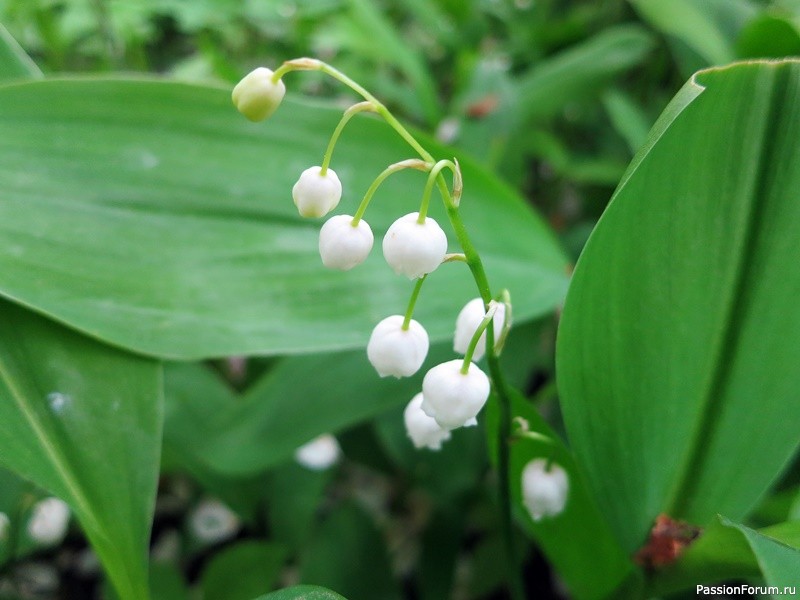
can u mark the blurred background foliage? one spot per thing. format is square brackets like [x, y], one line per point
[555, 96]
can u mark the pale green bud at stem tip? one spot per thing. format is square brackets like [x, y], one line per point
[256, 96]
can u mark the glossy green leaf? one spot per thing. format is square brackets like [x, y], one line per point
[591, 574]
[299, 399]
[779, 562]
[677, 347]
[581, 70]
[153, 216]
[242, 571]
[292, 516]
[769, 36]
[83, 421]
[729, 551]
[16, 498]
[446, 474]
[348, 554]
[303, 592]
[14, 63]
[166, 583]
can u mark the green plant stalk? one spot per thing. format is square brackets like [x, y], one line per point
[517, 588]
[473, 342]
[413, 302]
[475, 264]
[348, 114]
[426, 193]
[362, 207]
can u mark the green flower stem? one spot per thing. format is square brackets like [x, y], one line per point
[516, 586]
[475, 264]
[348, 114]
[432, 176]
[412, 303]
[473, 343]
[405, 164]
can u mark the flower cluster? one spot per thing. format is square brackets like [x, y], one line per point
[454, 392]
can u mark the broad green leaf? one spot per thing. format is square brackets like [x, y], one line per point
[166, 583]
[441, 546]
[243, 570]
[693, 23]
[794, 511]
[769, 36]
[303, 592]
[347, 553]
[195, 399]
[153, 216]
[677, 344]
[446, 474]
[589, 575]
[16, 498]
[581, 70]
[83, 421]
[14, 63]
[299, 399]
[728, 551]
[779, 562]
[293, 499]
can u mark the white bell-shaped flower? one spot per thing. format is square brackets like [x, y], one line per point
[423, 430]
[315, 194]
[544, 489]
[467, 323]
[49, 521]
[212, 521]
[256, 96]
[454, 398]
[320, 453]
[414, 249]
[343, 245]
[395, 351]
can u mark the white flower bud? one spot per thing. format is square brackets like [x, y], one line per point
[423, 430]
[343, 245]
[414, 249]
[319, 454]
[467, 323]
[314, 194]
[49, 521]
[212, 521]
[453, 398]
[256, 96]
[395, 351]
[544, 490]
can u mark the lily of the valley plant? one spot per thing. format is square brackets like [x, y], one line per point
[415, 245]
